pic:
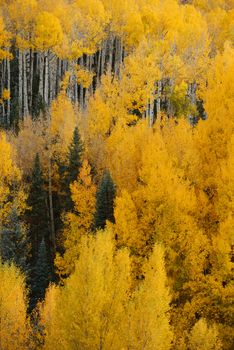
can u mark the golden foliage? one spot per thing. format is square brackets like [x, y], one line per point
[204, 337]
[11, 192]
[48, 31]
[62, 123]
[15, 328]
[174, 180]
[89, 308]
[5, 37]
[147, 325]
[78, 223]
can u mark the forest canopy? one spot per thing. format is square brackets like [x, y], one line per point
[116, 174]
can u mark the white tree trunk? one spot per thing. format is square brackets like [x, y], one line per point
[110, 63]
[99, 66]
[41, 75]
[46, 84]
[90, 69]
[25, 85]
[52, 77]
[151, 111]
[31, 79]
[118, 55]
[58, 75]
[52, 226]
[159, 95]
[81, 100]
[9, 89]
[20, 93]
[103, 58]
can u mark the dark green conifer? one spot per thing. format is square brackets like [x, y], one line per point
[41, 275]
[14, 243]
[37, 216]
[105, 201]
[70, 172]
[75, 156]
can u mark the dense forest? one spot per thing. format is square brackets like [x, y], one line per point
[116, 174]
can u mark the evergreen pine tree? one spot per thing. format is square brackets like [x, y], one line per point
[75, 156]
[41, 275]
[14, 242]
[70, 172]
[37, 216]
[105, 201]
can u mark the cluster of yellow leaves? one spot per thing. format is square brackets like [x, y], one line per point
[68, 29]
[62, 123]
[11, 192]
[48, 32]
[94, 308]
[204, 337]
[84, 76]
[15, 328]
[30, 141]
[176, 187]
[5, 37]
[71, 29]
[6, 95]
[174, 181]
[22, 21]
[219, 17]
[79, 223]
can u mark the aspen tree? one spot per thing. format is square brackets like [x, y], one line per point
[204, 337]
[22, 15]
[147, 324]
[5, 37]
[90, 307]
[77, 223]
[15, 328]
[11, 193]
[48, 35]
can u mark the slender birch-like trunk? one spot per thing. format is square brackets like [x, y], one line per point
[159, 95]
[2, 87]
[50, 190]
[20, 93]
[58, 75]
[51, 208]
[8, 121]
[41, 74]
[151, 111]
[90, 69]
[103, 58]
[52, 77]
[99, 66]
[46, 83]
[110, 63]
[169, 105]
[118, 56]
[31, 68]
[25, 85]
[81, 100]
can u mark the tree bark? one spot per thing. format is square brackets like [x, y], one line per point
[81, 97]
[31, 79]
[20, 97]
[51, 208]
[46, 84]
[25, 85]
[99, 66]
[8, 121]
[151, 111]
[110, 63]
[41, 75]
[103, 58]
[159, 95]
